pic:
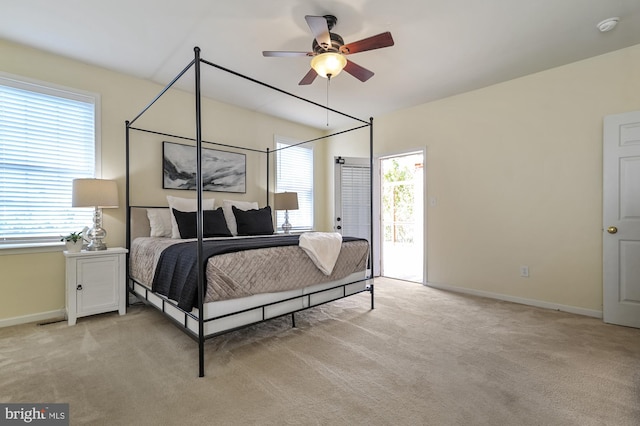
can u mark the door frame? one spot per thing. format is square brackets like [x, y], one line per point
[377, 208]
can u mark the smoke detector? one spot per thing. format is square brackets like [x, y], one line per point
[608, 24]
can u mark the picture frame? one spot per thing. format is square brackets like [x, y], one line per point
[222, 171]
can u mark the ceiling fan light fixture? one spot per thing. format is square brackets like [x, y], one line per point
[328, 64]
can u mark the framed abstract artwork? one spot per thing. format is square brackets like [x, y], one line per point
[222, 171]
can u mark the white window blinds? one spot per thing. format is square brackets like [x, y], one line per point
[47, 138]
[294, 173]
[356, 201]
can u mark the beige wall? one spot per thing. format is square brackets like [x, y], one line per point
[32, 284]
[516, 170]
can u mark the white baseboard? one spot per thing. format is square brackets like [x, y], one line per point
[42, 316]
[521, 300]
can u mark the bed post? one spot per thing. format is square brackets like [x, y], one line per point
[268, 175]
[127, 211]
[371, 290]
[199, 218]
[371, 174]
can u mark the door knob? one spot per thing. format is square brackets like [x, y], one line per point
[612, 229]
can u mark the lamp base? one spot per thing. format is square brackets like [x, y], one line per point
[96, 246]
[97, 233]
[286, 226]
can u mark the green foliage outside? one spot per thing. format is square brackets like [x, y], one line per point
[398, 202]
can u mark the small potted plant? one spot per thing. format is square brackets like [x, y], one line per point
[73, 241]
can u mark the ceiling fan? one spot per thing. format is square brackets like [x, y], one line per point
[329, 50]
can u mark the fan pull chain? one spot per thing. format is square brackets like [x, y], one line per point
[328, 84]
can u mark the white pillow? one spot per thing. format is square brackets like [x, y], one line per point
[160, 221]
[230, 217]
[185, 205]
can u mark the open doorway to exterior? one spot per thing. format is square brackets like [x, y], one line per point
[402, 216]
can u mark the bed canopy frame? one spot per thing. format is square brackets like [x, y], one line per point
[196, 64]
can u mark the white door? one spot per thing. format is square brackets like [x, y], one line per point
[621, 215]
[353, 197]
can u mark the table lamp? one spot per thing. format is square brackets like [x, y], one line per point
[286, 201]
[99, 194]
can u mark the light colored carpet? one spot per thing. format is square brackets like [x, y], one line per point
[422, 357]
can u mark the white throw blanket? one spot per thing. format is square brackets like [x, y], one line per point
[323, 248]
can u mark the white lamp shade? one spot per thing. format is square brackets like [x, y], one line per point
[286, 201]
[95, 193]
[329, 63]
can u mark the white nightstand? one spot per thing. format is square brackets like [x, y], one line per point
[95, 282]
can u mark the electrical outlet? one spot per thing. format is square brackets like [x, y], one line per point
[524, 271]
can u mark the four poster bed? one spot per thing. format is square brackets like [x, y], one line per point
[211, 270]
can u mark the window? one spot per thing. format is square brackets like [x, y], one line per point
[294, 173]
[47, 138]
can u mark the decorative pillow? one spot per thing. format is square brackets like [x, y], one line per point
[254, 222]
[160, 221]
[185, 205]
[214, 224]
[228, 212]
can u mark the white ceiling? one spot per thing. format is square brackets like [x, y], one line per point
[442, 47]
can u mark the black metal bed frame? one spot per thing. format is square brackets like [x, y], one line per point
[165, 302]
[184, 323]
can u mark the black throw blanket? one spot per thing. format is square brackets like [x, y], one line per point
[176, 275]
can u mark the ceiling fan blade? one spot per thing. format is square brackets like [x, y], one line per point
[358, 72]
[320, 30]
[278, 53]
[375, 42]
[308, 79]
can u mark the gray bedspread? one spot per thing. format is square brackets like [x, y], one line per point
[245, 273]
